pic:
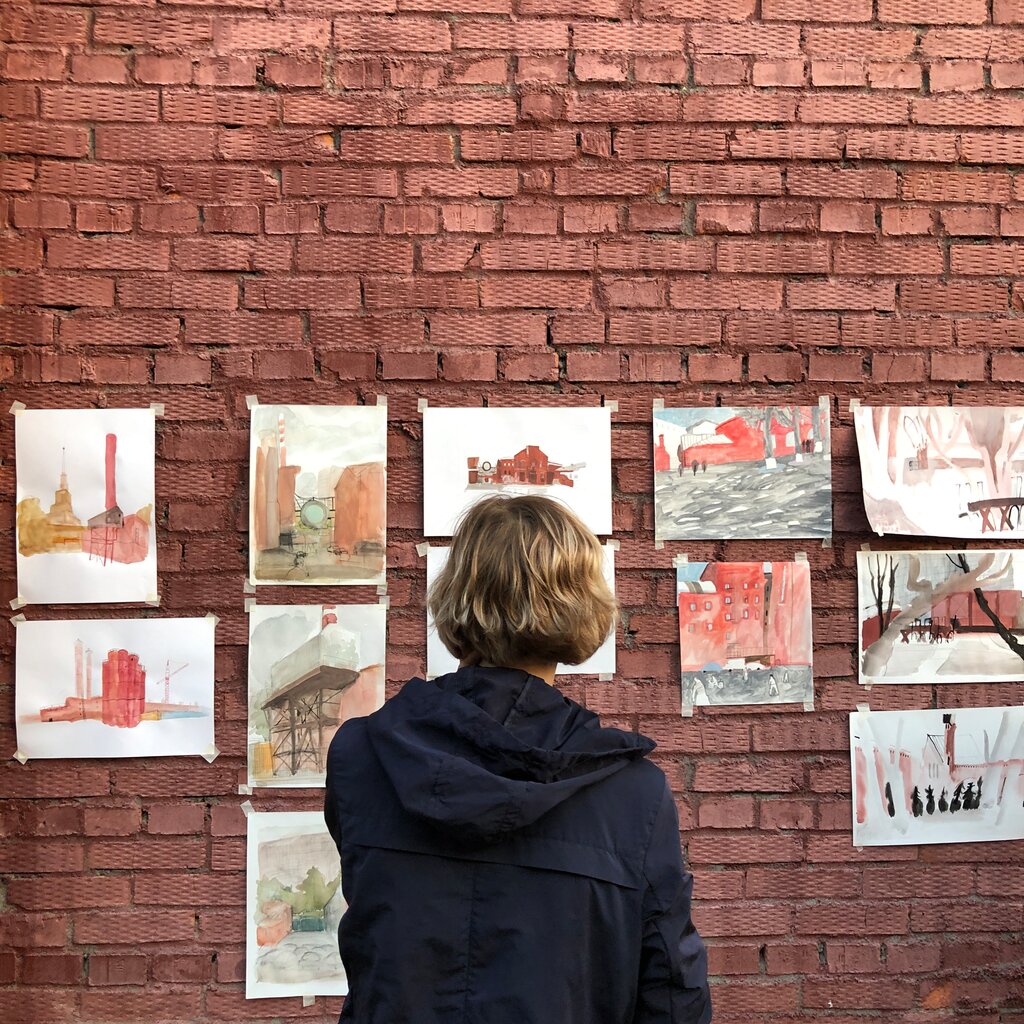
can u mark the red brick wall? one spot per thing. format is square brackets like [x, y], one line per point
[686, 199]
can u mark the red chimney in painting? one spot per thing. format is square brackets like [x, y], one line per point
[949, 727]
[124, 690]
[111, 476]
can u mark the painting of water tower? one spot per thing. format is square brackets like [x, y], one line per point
[317, 508]
[114, 687]
[745, 632]
[754, 472]
[85, 491]
[311, 668]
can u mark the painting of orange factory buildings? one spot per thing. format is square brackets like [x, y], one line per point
[311, 669]
[318, 494]
[114, 687]
[85, 491]
[745, 632]
[937, 776]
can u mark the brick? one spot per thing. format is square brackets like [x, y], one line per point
[470, 365]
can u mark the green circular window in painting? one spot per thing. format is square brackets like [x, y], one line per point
[313, 513]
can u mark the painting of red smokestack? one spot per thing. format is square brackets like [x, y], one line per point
[114, 687]
[85, 505]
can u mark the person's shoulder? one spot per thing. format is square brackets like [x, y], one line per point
[350, 740]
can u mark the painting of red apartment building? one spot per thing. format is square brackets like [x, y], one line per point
[114, 687]
[942, 776]
[941, 616]
[742, 472]
[471, 454]
[745, 632]
[318, 494]
[85, 529]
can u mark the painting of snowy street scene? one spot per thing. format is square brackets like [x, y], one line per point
[940, 471]
[941, 616]
[745, 632]
[731, 473]
[953, 776]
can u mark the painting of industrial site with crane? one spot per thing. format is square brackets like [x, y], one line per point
[85, 490]
[317, 504]
[757, 472]
[114, 687]
[311, 668]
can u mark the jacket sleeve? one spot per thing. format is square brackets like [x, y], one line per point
[673, 984]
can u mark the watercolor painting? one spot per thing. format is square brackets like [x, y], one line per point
[318, 494]
[745, 632]
[469, 454]
[952, 776]
[941, 616]
[311, 668]
[114, 687]
[754, 472]
[942, 472]
[440, 660]
[293, 907]
[85, 493]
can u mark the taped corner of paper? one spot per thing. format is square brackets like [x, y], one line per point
[250, 603]
[18, 602]
[153, 600]
[382, 589]
[863, 708]
[17, 407]
[251, 401]
[422, 549]
[826, 542]
[681, 559]
[605, 677]
[612, 405]
[248, 587]
[246, 807]
[382, 400]
[157, 407]
[658, 404]
[687, 711]
[215, 619]
[659, 545]
[800, 556]
[211, 753]
[244, 789]
[421, 404]
[384, 602]
[17, 620]
[612, 544]
[809, 704]
[308, 1000]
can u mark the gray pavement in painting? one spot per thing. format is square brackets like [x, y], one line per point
[300, 957]
[783, 685]
[745, 500]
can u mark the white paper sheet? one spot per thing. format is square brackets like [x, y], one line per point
[576, 441]
[283, 849]
[306, 678]
[86, 530]
[440, 661]
[78, 696]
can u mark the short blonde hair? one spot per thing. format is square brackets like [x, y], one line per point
[524, 582]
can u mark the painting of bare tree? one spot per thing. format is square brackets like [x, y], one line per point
[941, 471]
[941, 616]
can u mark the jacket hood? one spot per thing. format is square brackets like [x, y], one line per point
[483, 752]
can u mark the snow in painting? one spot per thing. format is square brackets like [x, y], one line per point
[941, 616]
[114, 687]
[942, 472]
[311, 669]
[85, 493]
[469, 454]
[754, 472]
[317, 508]
[745, 632]
[440, 661]
[294, 904]
[937, 776]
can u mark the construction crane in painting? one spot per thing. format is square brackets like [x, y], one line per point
[167, 679]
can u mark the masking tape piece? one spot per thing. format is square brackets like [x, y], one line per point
[250, 603]
[251, 401]
[879, 533]
[211, 753]
[854, 404]
[867, 686]
[244, 789]
[826, 542]
[865, 546]
[16, 407]
[422, 549]
[18, 602]
[809, 704]
[687, 711]
[823, 402]
[382, 400]
[246, 808]
[681, 560]
[800, 556]
[613, 544]
[863, 708]
[382, 589]
[308, 1000]
[215, 619]
[612, 406]
[421, 404]
[384, 602]
[659, 545]
[658, 404]
[17, 620]
[20, 756]
[153, 600]
[248, 587]
[157, 407]
[605, 677]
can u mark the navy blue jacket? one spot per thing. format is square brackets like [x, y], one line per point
[506, 860]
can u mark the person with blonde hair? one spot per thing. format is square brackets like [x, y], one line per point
[506, 859]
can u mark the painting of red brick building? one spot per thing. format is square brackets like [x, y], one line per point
[744, 632]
